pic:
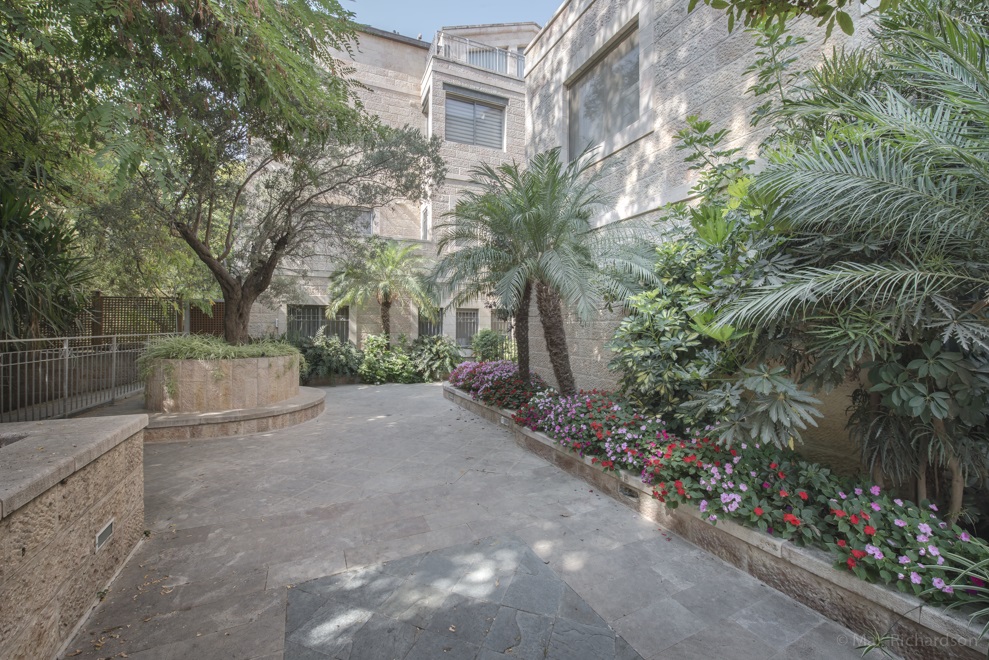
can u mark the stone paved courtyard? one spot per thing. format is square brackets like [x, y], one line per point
[395, 525]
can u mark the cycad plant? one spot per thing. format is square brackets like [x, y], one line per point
[388, 272]
[883, 200]
[530, 229]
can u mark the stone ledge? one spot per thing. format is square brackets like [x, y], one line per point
[942, 633]
[175, 427]
[54, 449]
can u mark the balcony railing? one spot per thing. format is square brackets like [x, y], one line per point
[473, 53]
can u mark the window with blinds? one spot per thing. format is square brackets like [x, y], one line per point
[473, 122]
[605, 99]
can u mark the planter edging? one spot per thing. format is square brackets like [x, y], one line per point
[925, 631]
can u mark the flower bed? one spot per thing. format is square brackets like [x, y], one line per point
[877, 537]
[808, 574]
[496, 383]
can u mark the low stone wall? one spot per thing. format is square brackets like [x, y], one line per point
[61, 484]
[175, 427]
[807, 575]
[181, 386]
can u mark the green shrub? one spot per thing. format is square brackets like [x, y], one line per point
[435, 357]
[490, 345]
[208, 347]
[328, 356]
[386, 365]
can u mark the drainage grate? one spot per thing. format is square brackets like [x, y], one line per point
[104, 535]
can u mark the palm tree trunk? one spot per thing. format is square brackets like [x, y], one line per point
[551, 315]
[386, 320]
[522, 332]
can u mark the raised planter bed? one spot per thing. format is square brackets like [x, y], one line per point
[917, 630]
[186, 386]
[71, 513]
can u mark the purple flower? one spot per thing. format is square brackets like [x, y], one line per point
[938, 582]
[924, 528]
[712, 517]
[904, 559]
[874, 551]
[875, 506]
[922, 538]
[743, 487]
[915, 578]
[858, 491]
[899, 576]
[898, 502]
[965, 537]
[932, 507]
[900, 523]
[933, 550]
[875, 491]
[842, 495]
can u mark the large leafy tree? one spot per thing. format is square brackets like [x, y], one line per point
[530, 230]
[387, 272]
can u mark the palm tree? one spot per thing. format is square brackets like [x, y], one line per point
[526, 230]
[885, 208]
[386, 271]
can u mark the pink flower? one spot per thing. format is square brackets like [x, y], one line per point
[915, 578]
[875, 506]
[875, 492]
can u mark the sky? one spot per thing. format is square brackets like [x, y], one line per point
[414, 17]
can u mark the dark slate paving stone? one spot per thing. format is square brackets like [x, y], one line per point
[382, 638]
[331, 628]
[575, 608]
[521, 634]
[539, 594]
[299, 652]
[300, 608]
[433, 646]
[575, 641]
[416, 608]
[465, 618]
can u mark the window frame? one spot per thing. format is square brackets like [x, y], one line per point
[465, 341]
[611, 132]
[475, 99]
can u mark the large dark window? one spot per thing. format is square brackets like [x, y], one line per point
[472, 121]
[605, 99]
[304, 321]
[429, 327]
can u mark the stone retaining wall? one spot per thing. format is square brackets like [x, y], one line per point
[178, 386]
[805, 574]
[60, 485]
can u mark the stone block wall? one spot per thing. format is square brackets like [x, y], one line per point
[215, 385]
[60, 486]
[688, 64]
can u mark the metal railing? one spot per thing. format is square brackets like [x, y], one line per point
[473, 53]
[60, 376]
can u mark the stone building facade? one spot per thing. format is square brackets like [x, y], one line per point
[475, 74]
[622, 76]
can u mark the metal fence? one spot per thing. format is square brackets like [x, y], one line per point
[480, 55]
[60, 376]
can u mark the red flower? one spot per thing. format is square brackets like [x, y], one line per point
[757, 510]
[792, 519]
[864, 515]
[850, 562]
[842, 543]
[783, 493]
[839, 513]
[772, 466]
[690, 459]
[870, 530]
[607, 464]
[858, 554]
[803, 495]
[781, 475]
[854, 519]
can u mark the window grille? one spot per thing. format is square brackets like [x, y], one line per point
[466, 326]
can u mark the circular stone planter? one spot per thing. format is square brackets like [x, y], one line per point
[180, 386]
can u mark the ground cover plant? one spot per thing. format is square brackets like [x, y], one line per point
[497, 383]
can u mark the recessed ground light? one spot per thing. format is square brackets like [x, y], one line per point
[105, 534]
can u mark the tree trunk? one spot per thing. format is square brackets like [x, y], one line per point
[551, 315]
[237, 315]
[522, 332]
[957, 488]
[386, 320]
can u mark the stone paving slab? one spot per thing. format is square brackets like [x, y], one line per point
[393, 480]
[412, 607]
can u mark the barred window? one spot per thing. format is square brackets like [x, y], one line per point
[304, 321]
